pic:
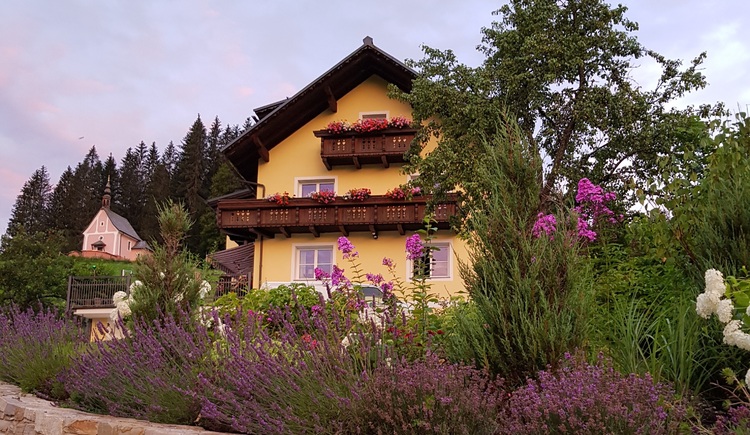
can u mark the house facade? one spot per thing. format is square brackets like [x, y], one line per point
[298, 147]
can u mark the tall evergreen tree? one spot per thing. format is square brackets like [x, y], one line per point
[61, 215]
[188, 181]
[31, 208]
[169, 159]
[87, 186]
[131, 201]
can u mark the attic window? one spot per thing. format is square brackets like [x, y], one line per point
[373, 115]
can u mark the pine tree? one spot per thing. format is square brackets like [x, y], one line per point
[188, 180]
[31, 208]
[61, 216]
[131, 200]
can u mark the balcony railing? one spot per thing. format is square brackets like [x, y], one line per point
[95, 291]
[303, 215]
[380, 147]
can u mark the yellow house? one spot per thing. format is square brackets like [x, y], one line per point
[299, 146]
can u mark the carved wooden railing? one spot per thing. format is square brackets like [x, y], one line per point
[95, 291]
[380, 147]
[303, 215]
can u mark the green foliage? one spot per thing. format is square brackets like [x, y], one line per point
[33, 272]
[531, 295]
[101, 267]
[563, 69]
[170, 280]
[31, 208]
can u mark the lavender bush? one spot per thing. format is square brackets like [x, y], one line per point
[35, 347]
[285, 382]
[585, 398]
[426, 397]
[144, 375]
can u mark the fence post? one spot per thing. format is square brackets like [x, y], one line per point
[67, 299]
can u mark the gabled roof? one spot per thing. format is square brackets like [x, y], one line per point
[122, 224]
[281, 119]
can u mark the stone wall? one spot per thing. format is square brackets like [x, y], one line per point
[23, 414]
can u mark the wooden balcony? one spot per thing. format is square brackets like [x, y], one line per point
[303, 215]
[380, 147]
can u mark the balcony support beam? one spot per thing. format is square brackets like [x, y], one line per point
[314, 230]
[262, 150]
[400, 228]
[284, 231]
[331, 99]
[344, 231]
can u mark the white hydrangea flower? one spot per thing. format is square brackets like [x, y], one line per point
[135, 285]
[205, 289]
[747, 378]
[734, 336]
[706, 304]
[715, 282]
[725, 310]
[119, 297]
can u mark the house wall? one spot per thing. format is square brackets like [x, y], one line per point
[299, 156]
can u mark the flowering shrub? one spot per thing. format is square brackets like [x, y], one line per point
[585, 398]
[359, 194]
[591, 209]
[35, 347]
[145, 374]
[368, 125]
[427, 396]
[324, 196]
[279, 198]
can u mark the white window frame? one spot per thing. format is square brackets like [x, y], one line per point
[443, 244]
[297, 247]
[299, 181]
[376, 112]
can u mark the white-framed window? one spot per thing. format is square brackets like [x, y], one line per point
[309, 257]
[129, 242]
[439, 266]
[373, 115]
[307, 185]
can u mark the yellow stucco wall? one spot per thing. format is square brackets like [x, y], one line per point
[299, 157]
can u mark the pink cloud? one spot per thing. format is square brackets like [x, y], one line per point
[245, 91]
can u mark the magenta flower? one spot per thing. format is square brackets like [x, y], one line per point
[584, 231]
[387, 262]
[414, 247]
[346, 247]
[338, 278]
[546, 224]
[374, 278]
[321, 274]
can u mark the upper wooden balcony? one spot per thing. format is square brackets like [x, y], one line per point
[378, 147]
[302, 215]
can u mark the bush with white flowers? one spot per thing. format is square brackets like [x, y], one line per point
[730, 302]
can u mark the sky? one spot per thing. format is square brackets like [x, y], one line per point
[79, 73]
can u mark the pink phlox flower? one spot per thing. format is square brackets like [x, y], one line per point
[387, 262]
[414, 247]
[338, 278]
[321, 274]
[346, 247]
[584, 231]
[375, 278]
[546, 224]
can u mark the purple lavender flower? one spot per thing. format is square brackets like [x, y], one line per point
[414, 247]
[316, 310]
